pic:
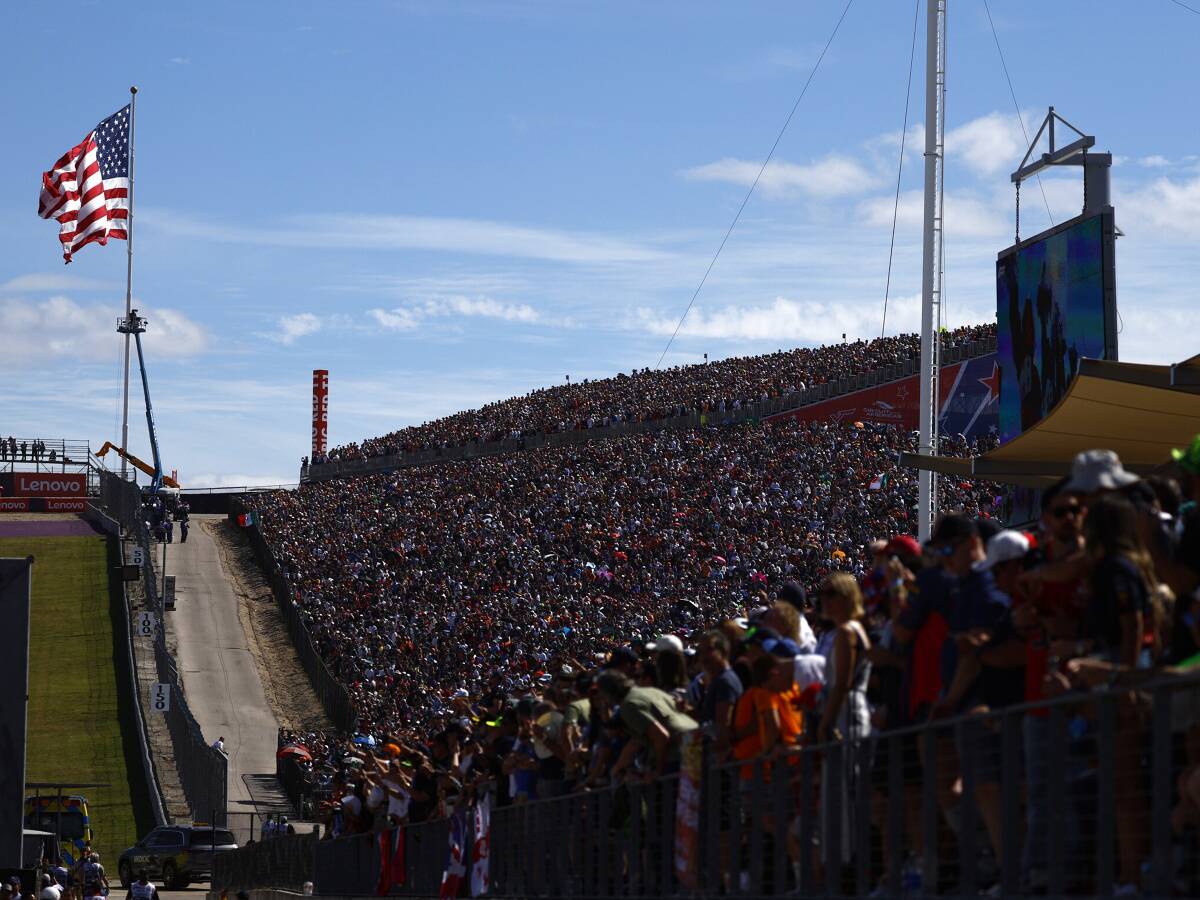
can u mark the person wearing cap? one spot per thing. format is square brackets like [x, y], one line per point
[49, 890]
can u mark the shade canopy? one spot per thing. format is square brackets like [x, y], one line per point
[1139, 411]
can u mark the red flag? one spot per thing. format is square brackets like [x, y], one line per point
[391, 861]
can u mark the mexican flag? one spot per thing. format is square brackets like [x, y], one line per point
[878, 483]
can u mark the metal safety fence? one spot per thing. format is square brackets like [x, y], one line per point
[334, 697]
[203, 770]
[1085, 794]
[285, 861]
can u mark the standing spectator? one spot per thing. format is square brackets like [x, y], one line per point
[845, 715]
[142, 889]
[651, 716]
[49, 889]
[183, 530]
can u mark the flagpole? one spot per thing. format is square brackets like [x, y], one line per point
[128, 284]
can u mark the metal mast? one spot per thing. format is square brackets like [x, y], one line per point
[931, 270]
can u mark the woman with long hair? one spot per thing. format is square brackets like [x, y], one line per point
[846, 715]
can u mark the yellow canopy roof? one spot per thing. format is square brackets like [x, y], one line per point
[1140, 411]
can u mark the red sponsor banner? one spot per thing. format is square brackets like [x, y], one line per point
[14, 504]
[42, 504]
[53, 504]
[320, 410]
[895, 403]
[41, 484]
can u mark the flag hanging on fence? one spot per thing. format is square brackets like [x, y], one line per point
[391, 861]
[456, 867]
[87, 190]
[481, 818]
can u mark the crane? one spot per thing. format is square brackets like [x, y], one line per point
[136, 463]
[135, 325]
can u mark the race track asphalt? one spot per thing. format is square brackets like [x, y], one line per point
[219, 674]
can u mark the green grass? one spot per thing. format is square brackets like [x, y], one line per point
[76, 705]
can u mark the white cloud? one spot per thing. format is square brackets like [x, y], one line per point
[348, 231]
[833, 176]
[988, 145]
[790, 321]
[295, 326]
[485, 307]
[407, 318]
[37, 282]
[1155, 161]
[966, 215]
[215, 480]
[394, 319]
[1167, 208]
[180, 60]
[59, 329]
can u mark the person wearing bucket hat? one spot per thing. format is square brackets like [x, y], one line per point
[1093, 471]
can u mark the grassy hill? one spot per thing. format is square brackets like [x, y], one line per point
[76, 705]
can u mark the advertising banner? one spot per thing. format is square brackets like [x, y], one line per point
[320, 411]
[42, 504]
[970, 394]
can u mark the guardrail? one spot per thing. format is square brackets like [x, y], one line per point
[749, 411]
[283, 861]
[203, 770]
[1071, 796]
[333, 695]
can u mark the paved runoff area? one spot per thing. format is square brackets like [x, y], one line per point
[219, 675]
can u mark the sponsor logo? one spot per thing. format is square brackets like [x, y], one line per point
[14, 504]
[53, 505]
[35, 484]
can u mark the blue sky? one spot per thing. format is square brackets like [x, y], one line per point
[446, 203]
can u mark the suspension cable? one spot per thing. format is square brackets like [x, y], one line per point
[762, 168]
[887, 286]
[1012, 93]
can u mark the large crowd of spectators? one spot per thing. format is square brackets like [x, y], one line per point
[485, 575]
[647, 395]
[556, 630]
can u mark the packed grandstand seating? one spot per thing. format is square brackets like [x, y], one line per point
[480, 575]
[655, 394]
[541, 622]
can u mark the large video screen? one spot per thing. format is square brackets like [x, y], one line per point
[1055, 300]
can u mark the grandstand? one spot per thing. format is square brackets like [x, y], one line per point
[736, 389]
[606, 539]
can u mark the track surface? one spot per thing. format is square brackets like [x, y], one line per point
[219, 676]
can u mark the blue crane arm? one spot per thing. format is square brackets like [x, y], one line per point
[157, 481]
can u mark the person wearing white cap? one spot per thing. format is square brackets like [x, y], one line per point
[1093, 471]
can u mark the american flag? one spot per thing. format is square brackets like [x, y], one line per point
[87, 190]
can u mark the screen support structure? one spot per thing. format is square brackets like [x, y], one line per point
[1096, 166]
[931, 257]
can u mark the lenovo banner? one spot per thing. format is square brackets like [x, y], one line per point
[42, 504]
[320, 411]
[38, 484]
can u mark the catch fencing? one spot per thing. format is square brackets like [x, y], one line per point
[1072, 797]
[747, 412]
[333, 695]
[203, 770]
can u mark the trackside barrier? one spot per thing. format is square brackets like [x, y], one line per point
[1069, 797]
[749, 411]
[203, 770]
[332, 694]
[284, 861]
